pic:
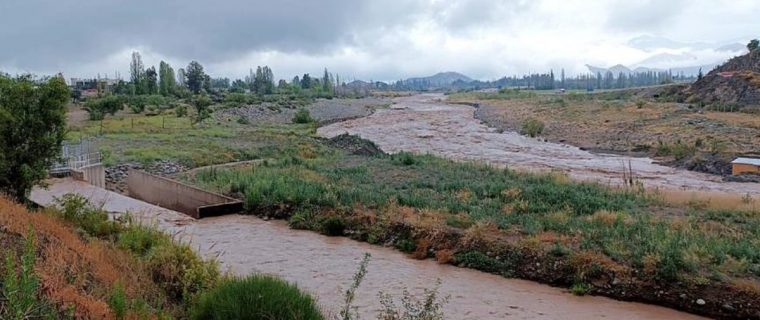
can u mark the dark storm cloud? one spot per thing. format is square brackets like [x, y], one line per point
[50, 33]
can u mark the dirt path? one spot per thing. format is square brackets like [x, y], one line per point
[324, 266]
[424, 124]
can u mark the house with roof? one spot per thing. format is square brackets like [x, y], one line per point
[745, 165]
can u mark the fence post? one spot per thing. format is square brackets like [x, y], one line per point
[133, 122]
[163, 122]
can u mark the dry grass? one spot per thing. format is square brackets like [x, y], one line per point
[76, 274]
[707, 200]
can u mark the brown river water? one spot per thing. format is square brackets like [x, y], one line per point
[324, 266]
[425, 124]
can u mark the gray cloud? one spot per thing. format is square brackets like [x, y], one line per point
[68, 31]
[383, 40]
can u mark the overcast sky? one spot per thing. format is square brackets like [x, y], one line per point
[371, 40]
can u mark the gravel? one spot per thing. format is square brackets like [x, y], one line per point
[323, 110]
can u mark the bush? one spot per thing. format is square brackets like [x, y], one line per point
[181, 110]
[98, 108]
[256, 297]
[92, 221]
[532, 127]
[141, 240]
[302, 116]
[405, 158]
[333, 226]
[181, 272]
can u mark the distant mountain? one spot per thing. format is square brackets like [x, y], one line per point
[687, 71]
[665, 59]
[441, 79]
[616, 69]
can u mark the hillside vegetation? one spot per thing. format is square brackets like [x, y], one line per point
[73, 262]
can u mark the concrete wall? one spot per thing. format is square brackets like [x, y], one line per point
[178, 196]
[94, 175]
[738, 168]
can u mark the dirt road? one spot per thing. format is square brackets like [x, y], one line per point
[425, 124]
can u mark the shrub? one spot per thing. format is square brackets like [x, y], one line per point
[430, 307]
[243, 120]
[532, 127]
[181, 272]
[303, 220]
[92, 221]
[181, 110]
[404, 158]
[98, 108]
[332, 226]
[580, 288]
[302, 116]
[256, 297]
[482, 262]
[141, 240]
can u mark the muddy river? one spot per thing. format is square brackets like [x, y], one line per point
[424, 124]
[324, 266]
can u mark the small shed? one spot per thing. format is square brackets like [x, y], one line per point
[745, 165]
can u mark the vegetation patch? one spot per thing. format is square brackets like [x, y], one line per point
[256, 297]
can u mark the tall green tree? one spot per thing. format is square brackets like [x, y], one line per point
[263, 81]
[195, 77]
[327, 83]
[181, 77]
[167, 79]
[306, 81]
[151, 81]
[32, 128]
[137, 73]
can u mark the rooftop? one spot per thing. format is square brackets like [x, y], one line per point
[751, 161]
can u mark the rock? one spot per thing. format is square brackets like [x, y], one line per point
[701, 302]
[728, 307]
[682, 296]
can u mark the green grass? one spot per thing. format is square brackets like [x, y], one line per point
[151, 139]
[20, 289]
[622, 225]
[256, 297]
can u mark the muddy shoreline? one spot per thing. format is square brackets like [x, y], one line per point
[618, 138]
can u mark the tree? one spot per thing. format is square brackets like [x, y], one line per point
[700, 75]
[167, 80]
[195, 77]
[306, 81]
[201, 103]
[327, 85]
[181, 76]
[137, 72]
[32, 128]
[753, 45]
[263, 81]
[151, 81]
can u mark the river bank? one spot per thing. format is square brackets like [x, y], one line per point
[325, 265]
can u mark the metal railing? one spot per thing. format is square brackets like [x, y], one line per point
[75, 156]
